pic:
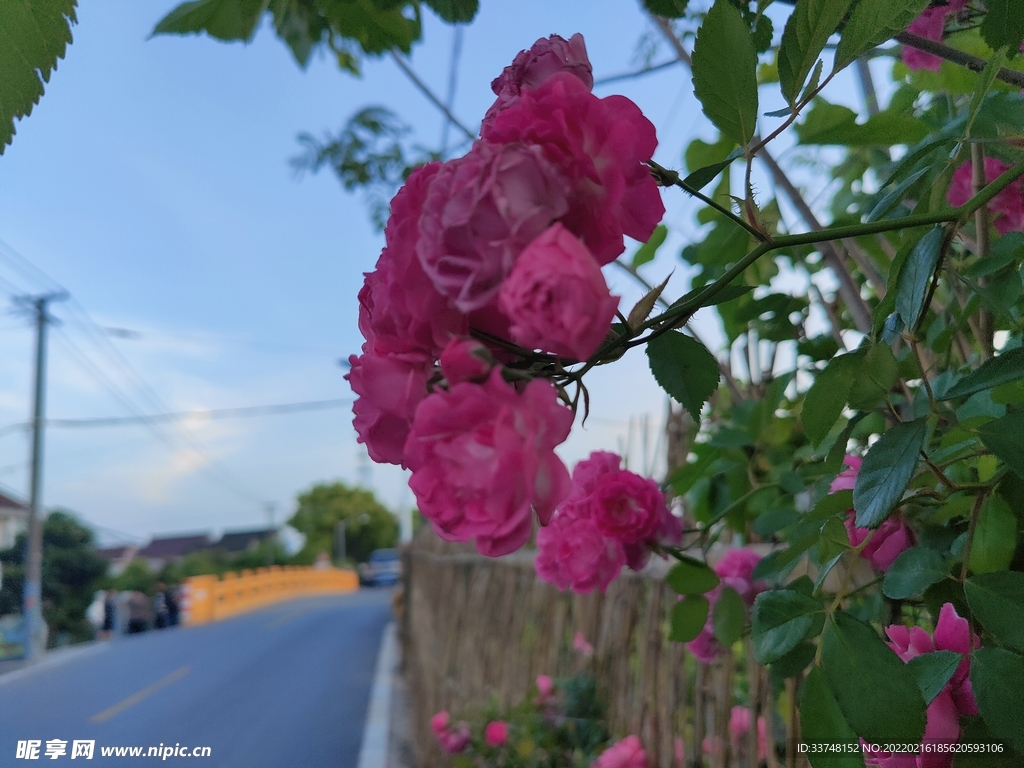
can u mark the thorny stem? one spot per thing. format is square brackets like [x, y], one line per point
[667, 178]
[973, 63]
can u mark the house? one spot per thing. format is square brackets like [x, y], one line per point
[172, 549]
[238, 542]
[118, 558]
[13, 519]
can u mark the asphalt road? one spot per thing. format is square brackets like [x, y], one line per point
[287, 685]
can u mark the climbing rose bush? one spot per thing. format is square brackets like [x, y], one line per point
[886, 542]
[736, 570]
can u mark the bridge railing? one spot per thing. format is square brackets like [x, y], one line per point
[210, 598]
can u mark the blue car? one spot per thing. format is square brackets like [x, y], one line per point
[382, 568]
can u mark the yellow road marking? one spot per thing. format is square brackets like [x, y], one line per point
[135, 698]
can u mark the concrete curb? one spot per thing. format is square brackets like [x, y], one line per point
[52, 658]
[374, 751]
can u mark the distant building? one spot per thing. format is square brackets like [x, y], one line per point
[238, 542]
[13, 519]
[118, 558]
[172, 549]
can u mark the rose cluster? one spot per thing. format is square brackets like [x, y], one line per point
[888, 540]
[736, 570]
[1007, 207]
[612, 517]
[504, 244]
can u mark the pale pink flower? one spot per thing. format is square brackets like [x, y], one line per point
[545, 689]
[389, 388]
[482, 460]
[452, 739]
[480, 211]
[601, 147]
[465, 360]
[556, 297]
[529, 69]
[628, 753]
[496, 733]
[1007, 207]
[580, 644]
[739, 727]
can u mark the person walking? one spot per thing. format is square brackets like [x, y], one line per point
[138, 612]
[109, 614]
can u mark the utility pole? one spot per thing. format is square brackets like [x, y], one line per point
[31, 608]
[272, 538]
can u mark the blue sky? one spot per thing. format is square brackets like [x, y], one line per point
[152, 181]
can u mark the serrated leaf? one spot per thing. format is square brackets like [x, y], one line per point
[888, 466]
[220, 19]
[997, 602]
[933, 670]
[1005, 438]
[872, 23]
[670, 9]
[807, 30]
[875, 690]
[701, 177]
[725, 72]
[729, 617]
[825, 400]
[646, 252]
[895, 196]
[835, 125]
[689, 616]
[33, 36]
[691, 577]
[1008, 366]
[794, 662]
[822, 722]
[997, 677]
[780, 620]
[455, 11]
[1003, 24]
[874, 378]
[913, 572]
[995, 537]
[684, 368]
[916, 275]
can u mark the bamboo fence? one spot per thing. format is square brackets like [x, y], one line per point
[475, 629]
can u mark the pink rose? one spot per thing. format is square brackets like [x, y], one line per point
[736, 570]
[930, 24]
[847, 479]
[627, 753]
[496, 733]
[465, 360]
[557, 298]
[602, 147]
[439, 723]
[1007, 207]
[545, 689]
[389, 388]
[529, 69]
[453, 739]
[942, 726]
[580, 644]
[588, 473]
[627, 507]
[482, 459]
[481, 210]
[573, 554]
[739, 727]
[399, 309]
[890, 539]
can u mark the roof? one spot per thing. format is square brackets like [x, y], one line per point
[116, 553]
[9, 503]
[239, 541]
[175, 546]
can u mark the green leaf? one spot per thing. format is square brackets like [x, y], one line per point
[895, 196]
[933, 670]
[827, 396]
[33, 36]
[222, 19]
[887, 468]
[688, 618]
[684, 368]
[808, 29]
[794, 662]
[876, 692]
[997, 602]
[997, 676]
[822, 722]
[691, 577]
[781, 619]
[670, 9]
[647, 251]
[831, 124]
[1003, 24]
[1008, 366]
[729, 617]
[995, 537]
[916, 276]
[873, 22]
[874, 377]
[834, 539]
[701, 177]
[913, 572]
[1005, 438]
[682, 479]
[455, 11]
[831, 505]
[725, 72]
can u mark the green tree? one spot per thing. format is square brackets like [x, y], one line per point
[368, 524]
[136, 576]
[72, 571]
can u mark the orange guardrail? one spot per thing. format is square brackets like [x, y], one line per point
[209, 598]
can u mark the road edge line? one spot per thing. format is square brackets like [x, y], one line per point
[374, 750]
